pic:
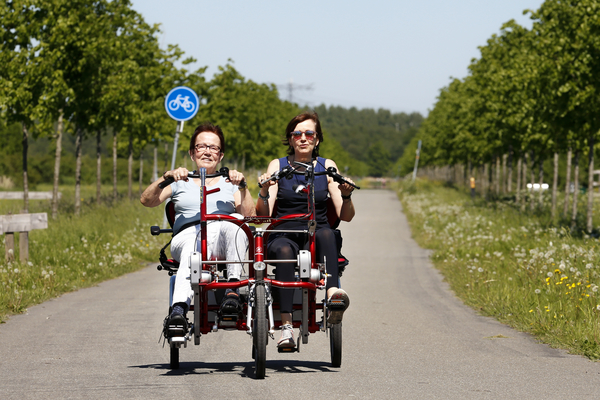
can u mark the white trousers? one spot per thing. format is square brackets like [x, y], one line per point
[225, 241]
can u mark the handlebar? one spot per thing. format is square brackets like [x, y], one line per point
[224, 172]
[284, 172]
[289, 170]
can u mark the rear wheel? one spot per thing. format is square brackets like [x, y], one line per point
[174, 363]
[260, 332]
[335, 344]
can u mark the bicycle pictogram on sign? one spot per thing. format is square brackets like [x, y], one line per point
[181, 103]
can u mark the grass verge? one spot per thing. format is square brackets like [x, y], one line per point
[77, 252]
[517, 267]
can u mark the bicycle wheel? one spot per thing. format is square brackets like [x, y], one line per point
[260, 332]
[174, 105]
[335, 345]
[174, 361]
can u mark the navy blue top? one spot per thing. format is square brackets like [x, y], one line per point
[290, 202]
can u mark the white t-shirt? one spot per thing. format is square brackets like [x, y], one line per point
[186, 199]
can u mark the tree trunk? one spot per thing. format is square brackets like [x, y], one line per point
[497, 183]
[541, 182]
[78, 141]
[510, 170]
[532, 179]
[25, 177]
[504, 174]
[568, 184]
[114, 149]
[141, 171]
[524, 180]
[98, 166]
[166, 157]
[484, 181]
[554, 184]
[590, 193]
[130, 169]
[518, 188]
[57, 154]
[576, 191]
[155, 166]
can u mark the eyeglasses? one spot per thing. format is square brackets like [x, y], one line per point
[205, 147]
[298, 134]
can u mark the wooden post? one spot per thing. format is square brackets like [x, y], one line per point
[23, 223]
[9, 247]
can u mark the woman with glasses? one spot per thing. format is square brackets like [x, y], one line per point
[207, 147]
[303, 137]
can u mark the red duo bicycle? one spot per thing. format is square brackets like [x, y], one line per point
[260, 314]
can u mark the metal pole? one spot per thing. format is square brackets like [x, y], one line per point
[417, 161]
[177, 132]
[175, 142]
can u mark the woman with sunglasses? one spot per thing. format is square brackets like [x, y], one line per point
[207, 147]
[303, 137]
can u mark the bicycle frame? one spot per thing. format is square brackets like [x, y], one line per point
[205, 279]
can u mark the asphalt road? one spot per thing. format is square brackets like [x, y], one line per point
[405, 336]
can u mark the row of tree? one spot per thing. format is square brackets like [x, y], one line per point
[94, 68]
[533, 95]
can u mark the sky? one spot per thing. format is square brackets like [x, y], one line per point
[391, 54]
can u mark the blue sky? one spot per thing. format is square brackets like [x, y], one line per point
[367, 54]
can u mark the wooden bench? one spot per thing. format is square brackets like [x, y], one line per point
[22, 223]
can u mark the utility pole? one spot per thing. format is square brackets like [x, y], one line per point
[290, 87]
[416, 161]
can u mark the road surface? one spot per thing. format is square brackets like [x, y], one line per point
[406, 336]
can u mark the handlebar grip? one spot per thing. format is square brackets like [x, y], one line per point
[338, 178]
[166, 182]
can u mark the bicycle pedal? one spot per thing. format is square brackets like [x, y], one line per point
[287, 349]
[229, 318]
[336, 305]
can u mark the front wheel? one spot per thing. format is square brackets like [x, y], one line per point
[260, 332]
[335, 345]
[174, 362]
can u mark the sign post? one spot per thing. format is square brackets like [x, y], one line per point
[181, 104]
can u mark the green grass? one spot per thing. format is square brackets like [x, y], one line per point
[522, 268]
[106, 241]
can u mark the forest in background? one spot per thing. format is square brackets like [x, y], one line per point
[375, 138]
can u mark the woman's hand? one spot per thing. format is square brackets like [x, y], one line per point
[346, 188]
[179, 174]
[267, 184]
[236, 177]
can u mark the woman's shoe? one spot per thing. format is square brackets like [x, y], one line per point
[287, 337]
[231, 303]
[337, 304]
[175, 324]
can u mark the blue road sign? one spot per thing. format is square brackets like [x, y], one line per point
[182, 103]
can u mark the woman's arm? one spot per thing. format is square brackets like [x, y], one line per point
[242, 198]
[154, 196]
[269, 189]
[343, 207]
[244, 203]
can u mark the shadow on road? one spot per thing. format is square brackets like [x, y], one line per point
[243, 369]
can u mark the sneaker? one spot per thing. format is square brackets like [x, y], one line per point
[231, 303]
[287, 337]
[337, 304]
[176, 324]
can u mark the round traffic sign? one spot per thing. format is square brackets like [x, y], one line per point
[182, 103]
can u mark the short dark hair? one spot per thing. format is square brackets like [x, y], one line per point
[306, 115]
[208, 127]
